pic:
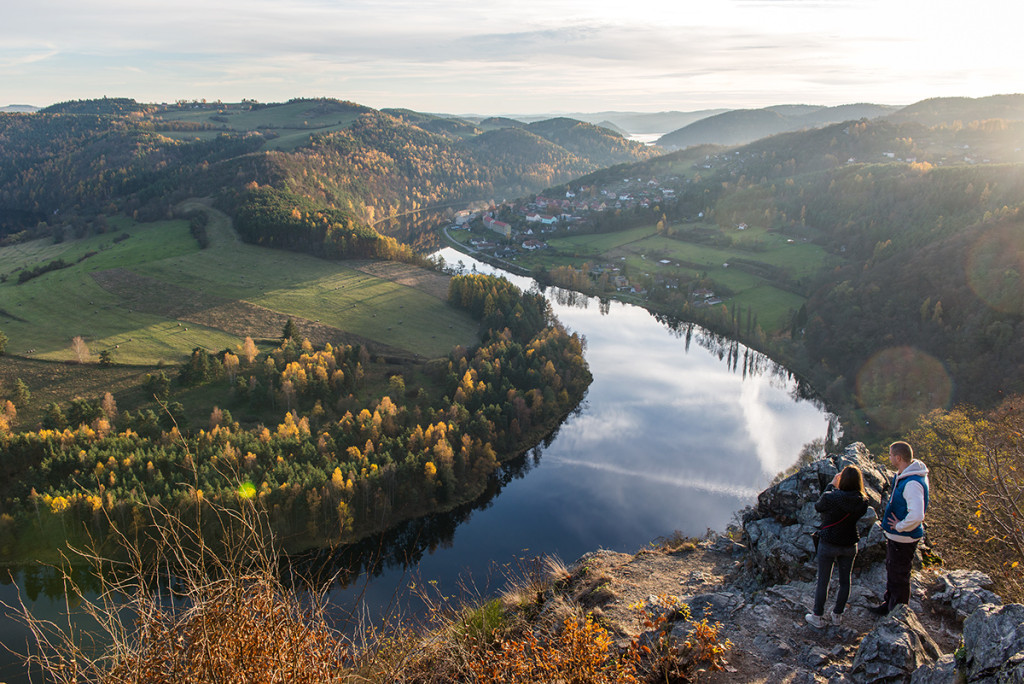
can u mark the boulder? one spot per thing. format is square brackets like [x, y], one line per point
[993, 648]
[778, 529]
[941, 671]
[964, 591]
[894, 649]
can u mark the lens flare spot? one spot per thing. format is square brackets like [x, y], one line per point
[995, 268]
[899, 384]
[246, 490]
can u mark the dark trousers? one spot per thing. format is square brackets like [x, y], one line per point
[899, 557]
[842, 558]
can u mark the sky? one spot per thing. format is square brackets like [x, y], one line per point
[512, 57]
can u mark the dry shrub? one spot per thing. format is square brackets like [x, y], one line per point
[666, 659]
[582, 652]
[223, 616]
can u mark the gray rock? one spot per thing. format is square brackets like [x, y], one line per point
[787, 674]
[894, 649]
[719, 605]
[994, 644]
[964, 591]
[779, 528]
[815, 657]
[941, 671]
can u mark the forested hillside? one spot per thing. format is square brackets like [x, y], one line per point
[72, 163]
[919, 304]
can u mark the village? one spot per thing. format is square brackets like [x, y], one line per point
[511, 230]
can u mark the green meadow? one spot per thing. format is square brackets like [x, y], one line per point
[42, 315]
[292, 123]
[642, 249]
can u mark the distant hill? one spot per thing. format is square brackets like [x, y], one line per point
[19, 108]
[636, 122]
[451, 127]
[496, 122]
[948, 110]
[341, 156]
[612, 127]
[741, 126]
[117, 106]
[729, 128]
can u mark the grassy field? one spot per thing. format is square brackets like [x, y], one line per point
[194, 293]
[642, 249]
[293, 123]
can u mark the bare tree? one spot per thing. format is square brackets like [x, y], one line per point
[80, 349]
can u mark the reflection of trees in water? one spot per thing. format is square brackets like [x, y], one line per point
[404, 545]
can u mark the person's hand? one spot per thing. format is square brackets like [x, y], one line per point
[893, 520]
[835, 481]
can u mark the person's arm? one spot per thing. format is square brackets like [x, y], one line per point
[914, 495]
[824, 503]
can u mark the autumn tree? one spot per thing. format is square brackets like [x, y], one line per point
[249, 350]
[976, 462]
[109, 406]
[230, 365]
[80, 349]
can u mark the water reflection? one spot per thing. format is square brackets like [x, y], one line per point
[671, 436]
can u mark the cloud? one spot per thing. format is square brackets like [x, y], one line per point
[531, 55]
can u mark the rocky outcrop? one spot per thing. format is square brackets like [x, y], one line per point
[993, 645]
[894, 649]
[964, 591]
[779, 528]
[756, 588]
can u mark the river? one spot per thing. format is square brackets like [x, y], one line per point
[679, 431]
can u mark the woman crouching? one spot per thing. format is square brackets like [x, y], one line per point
[841, 505]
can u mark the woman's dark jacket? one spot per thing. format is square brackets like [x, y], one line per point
[833, 505]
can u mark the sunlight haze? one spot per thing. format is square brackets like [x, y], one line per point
[502, 57]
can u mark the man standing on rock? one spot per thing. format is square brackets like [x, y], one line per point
[902, 524]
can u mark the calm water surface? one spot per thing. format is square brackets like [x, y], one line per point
[678, 431]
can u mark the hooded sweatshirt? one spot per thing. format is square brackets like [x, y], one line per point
[908, 501]
[840, 511]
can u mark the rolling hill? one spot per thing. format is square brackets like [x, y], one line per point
[742, 126]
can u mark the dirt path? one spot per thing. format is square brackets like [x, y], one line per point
[771, 643]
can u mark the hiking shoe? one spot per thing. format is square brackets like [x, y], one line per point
[814, 620]
[835, 618]
[881, 609]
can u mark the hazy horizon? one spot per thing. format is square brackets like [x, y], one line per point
[498, 57]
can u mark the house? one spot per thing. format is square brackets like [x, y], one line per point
[499, 227]
[548, 220]
[533, 244]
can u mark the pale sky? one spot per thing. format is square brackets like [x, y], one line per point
[505, 56]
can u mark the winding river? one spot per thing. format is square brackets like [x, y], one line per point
[679, 431]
